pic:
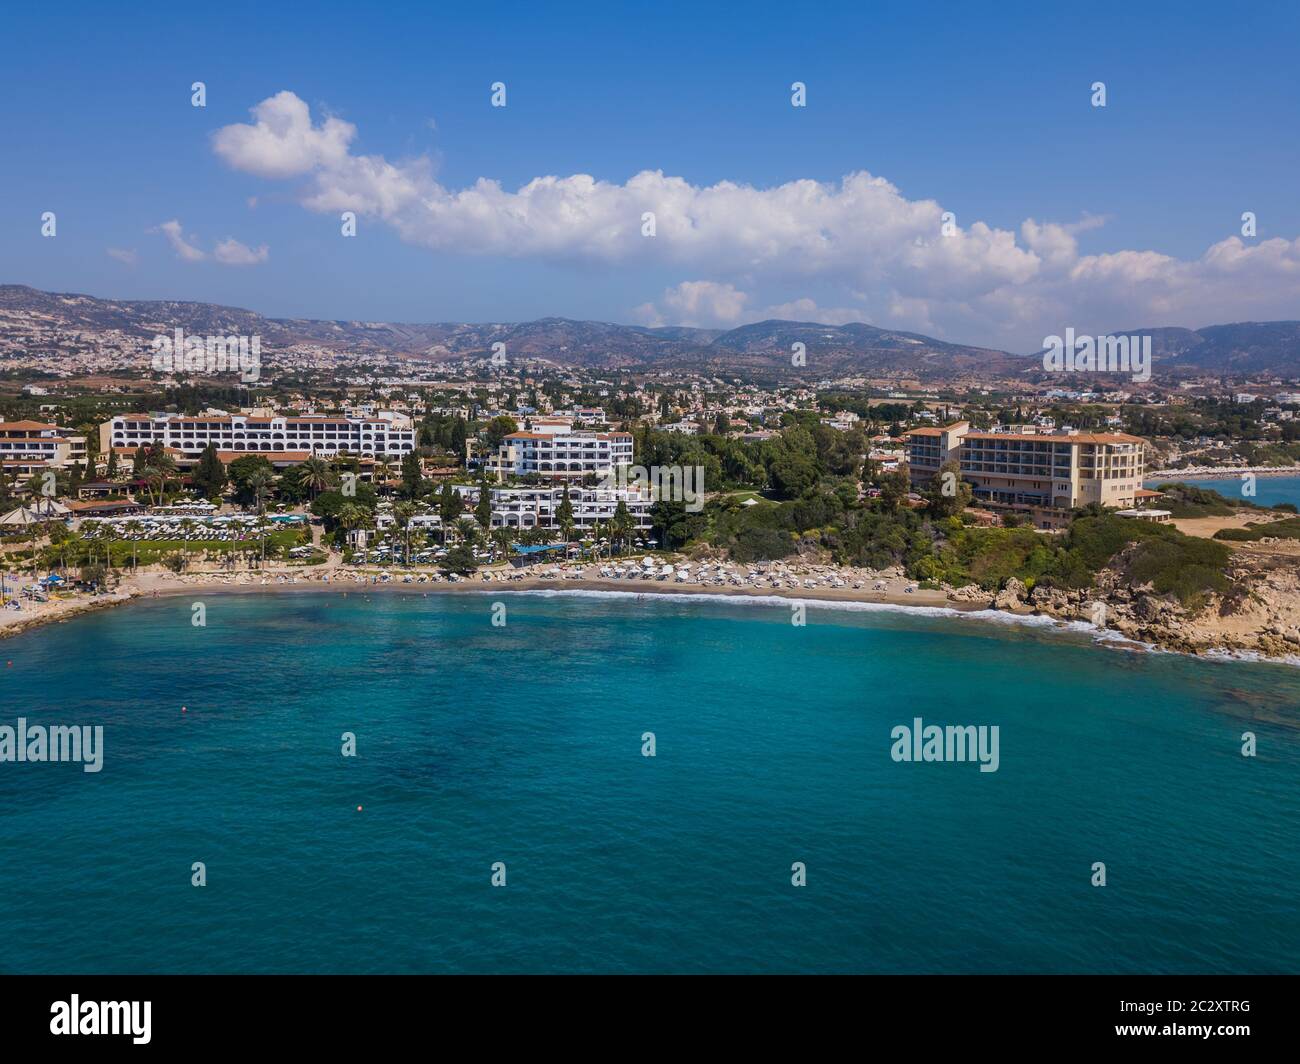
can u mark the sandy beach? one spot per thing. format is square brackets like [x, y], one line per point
[1268, 625]
[818, 582]
[1219, 473]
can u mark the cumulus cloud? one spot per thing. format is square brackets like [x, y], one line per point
[176, 238]
[859, 236]
[228, 252]
[127, 256]
[282, 142]
[696, 303]
[231, 252]
[709, 304]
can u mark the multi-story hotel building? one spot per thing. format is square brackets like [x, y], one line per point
[556, 451]
[537, 507]
[29, 447]
[1046, 475]
[272, 434]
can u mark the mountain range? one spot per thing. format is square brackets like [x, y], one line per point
[756, 349]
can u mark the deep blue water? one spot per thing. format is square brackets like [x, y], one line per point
[522, 744]
[1269, 491]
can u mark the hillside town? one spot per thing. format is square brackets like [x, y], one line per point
[471, 472]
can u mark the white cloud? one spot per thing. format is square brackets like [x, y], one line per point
[126, 256]
[701, 304]
[231, 252]
[806, 309]
[708, 304]
[176, 237]
[859, 236]
[228, 252]
[282, 142]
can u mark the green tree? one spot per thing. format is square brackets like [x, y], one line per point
[503, 538]
[402, 514]
[621, 525]
[459, 559]
[483, 508]
[564, 515]
[459, 433]
[894, 488]
[134, 528]
[258, 483]
[497, 430]
[314, 475]
[241, 472]
[209, 475]
[450, 507]
[412, 476]
[947, 494]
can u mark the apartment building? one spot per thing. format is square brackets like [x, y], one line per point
[537, 507]
[555, 450]
[1045, 475]
[29, 447]
[271, 434]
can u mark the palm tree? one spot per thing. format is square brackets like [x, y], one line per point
[503, 537]
[599, 531]
[352, 516]
[152, 475]
[314, 475]
[134, 528]
[161, 468]
[621, 524]
[258, 482]
[380, 472]
[468, 531]
[402, 514]
[59, 537]
[564, 515]
[263, 526]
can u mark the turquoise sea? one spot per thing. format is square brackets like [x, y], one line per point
[522, 744]
[1269, 491]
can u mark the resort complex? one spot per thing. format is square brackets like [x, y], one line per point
[1044, 474]
[554, 451]
[30, 447]
[277, 436]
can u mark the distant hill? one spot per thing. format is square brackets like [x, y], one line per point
[760, 348]
[1238, 349]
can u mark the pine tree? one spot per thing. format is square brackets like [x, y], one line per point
[210, 475]
[483, 509]
[564, 515]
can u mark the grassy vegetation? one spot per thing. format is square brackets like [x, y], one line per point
[944, 549]
[1253, 532]
[1186, 500]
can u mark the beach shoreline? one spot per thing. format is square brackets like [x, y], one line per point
[157, 585]
[1173, 476]
[344, 579]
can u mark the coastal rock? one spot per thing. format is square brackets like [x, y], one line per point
[1151, 608]
[1011, 596]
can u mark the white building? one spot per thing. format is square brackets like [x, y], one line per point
[561, 454]
[537, 507]
[684, 428]
[390, 436]
[28, 447]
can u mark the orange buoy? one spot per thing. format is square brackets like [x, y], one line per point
[358, 809]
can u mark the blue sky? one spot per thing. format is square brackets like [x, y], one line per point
[982, 112]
